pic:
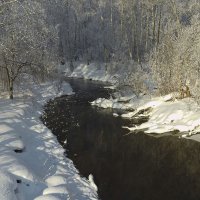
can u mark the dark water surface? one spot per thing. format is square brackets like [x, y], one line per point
[125, 167]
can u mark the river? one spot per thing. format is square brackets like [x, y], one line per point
[125, 167]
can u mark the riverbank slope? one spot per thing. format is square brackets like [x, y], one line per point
[32, 162]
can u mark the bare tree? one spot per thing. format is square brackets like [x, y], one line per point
[25, 41]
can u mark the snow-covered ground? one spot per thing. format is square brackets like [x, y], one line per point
[32, 162]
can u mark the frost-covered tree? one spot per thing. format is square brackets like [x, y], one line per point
[176, 63]
[27, 42]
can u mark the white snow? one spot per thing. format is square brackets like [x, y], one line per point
[179, 115]
[93, 72]
[130, 102]
[96, 71]
[8, 186]
[92, 183]
[32, 162]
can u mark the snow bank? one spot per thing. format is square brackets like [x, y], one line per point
[166, 113]
[32, 162]
[110, 103]
[106, 72]
[93, 72]
[179, 115]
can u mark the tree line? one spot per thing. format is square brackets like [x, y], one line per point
[37, 35]
[108, 30]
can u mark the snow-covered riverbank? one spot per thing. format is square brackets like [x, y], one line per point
[32, 163]
[96, 71]
[166, 113]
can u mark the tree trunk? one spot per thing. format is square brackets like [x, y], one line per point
[132, 30]
[159, 27]
[136, 39]
[122, 18]
[11, 89]
[141, 27]
[147, 34]
[154, 10]
[10, 82]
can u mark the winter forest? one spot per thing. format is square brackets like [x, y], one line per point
[99, 99]
[152, 37]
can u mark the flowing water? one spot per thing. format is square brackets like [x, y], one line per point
[125, 167]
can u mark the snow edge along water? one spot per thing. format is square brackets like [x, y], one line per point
[166, 113]
[32, 162]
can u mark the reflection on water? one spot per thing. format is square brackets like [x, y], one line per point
[125, 167]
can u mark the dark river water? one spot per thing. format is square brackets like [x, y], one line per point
[125, 167]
